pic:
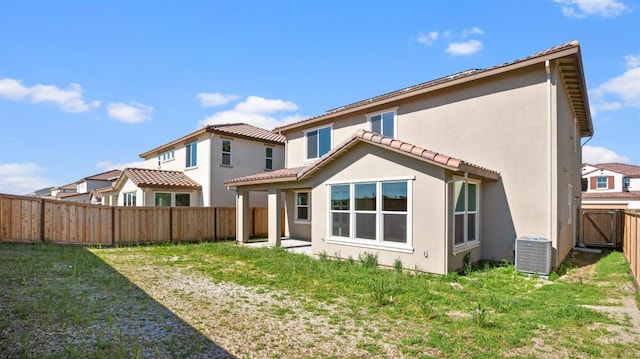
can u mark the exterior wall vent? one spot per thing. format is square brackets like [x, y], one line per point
[533, 255]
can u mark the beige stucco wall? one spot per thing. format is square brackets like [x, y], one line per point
[569, 174]
[296, 229]
[427, 206]
[247, 158]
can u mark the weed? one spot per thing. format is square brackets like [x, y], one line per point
[397, 265]
[479, 315]
[323, 256]
[380, 293]
[368, 260]
[467, 265]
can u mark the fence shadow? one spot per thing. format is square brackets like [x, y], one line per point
[64, 301]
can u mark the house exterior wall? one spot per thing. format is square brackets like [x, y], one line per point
[427, 206]
[614, 183]
[519, 123]
[247, 157]
[568, 173]
[127, 187]
[294, 228]
[634, 184]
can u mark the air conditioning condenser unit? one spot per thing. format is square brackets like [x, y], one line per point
[533, 255]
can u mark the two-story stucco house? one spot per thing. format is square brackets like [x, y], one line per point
[82, 190]
[191, 170]
[461, 164]
[611, 186]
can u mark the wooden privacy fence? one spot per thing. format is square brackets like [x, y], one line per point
[30, 220]
[631, 241]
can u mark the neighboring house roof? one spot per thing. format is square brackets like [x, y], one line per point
[60, 195]
[407, 149]
[611, 195]
[570, 66]
[104, 176]
[240, 130]
[631, 171]
[143, 177]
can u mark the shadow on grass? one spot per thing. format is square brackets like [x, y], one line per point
[63, 301]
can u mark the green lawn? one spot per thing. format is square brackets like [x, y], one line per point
[229, 300]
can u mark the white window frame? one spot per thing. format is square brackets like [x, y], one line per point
[223, 152]
[466, 244]
[394, 110]
[189, 156]
[606, 182]
[267, 157]
[378, 242]
[306, 139]
[626, 183]
[129, 199]
[308, 206]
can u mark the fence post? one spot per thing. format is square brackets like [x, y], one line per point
[170, 224]
[113, 225]
[42, 219]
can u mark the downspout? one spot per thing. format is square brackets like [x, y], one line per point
[547, 67]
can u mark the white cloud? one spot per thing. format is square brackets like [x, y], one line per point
[474, 31]
[464, 48]
[620, 91]
[595, 155]
[21, 178]
[133, 112]
[108, 165]
[255, 104]
[215, 99]
[257, 111]
[428, 39]
[13, 89]
[583, 8]
[69, 100]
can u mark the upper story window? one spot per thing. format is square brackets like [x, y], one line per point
[318, 142]
[383, 123]
[602, 183]
[626, 182]
[268, 162]
[192, 154]
[226, 152]
[166, 156]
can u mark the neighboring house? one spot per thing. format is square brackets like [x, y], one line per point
[42, 192]
[191, 170]
[611, 186]
[370, 177]
[80, 191]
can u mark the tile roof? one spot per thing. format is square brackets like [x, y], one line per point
[247, 131]
[574, 79]
[611, 195]
[143, 177]
[241, 130]
[625, 169]
[438, 159]
[105, 176]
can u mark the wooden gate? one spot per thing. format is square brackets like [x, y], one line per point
[602, 228]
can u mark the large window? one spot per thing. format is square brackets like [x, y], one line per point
[371, 213]
[268, 155]
[384, 123]
[226, 152]
[302, 206]
[318, 142]
[163, 199]
[465, 218]
[129, 199]
[192, 154]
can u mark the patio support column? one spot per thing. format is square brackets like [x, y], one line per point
[275, 217]
[242, 216]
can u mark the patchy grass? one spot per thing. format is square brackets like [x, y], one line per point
[266, 302]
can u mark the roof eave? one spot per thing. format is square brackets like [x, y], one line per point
[180, 141]
[291, 178]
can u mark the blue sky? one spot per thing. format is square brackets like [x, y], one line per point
[86, 86]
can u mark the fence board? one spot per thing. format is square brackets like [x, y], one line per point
[632, 242]
[31, 220]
